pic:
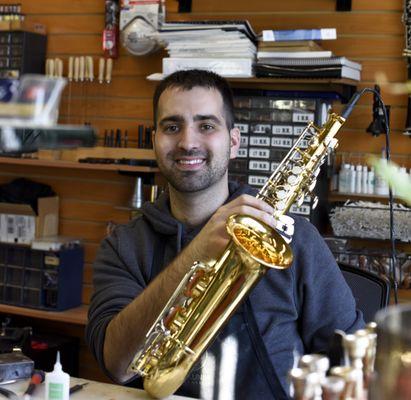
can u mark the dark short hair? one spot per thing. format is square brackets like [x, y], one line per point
[192, 78]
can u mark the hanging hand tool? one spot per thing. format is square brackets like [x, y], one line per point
[125, 138]
[58, 67]
[70, 68]
[76, 69]
[118, 138]
[70, 75]
[109, 69]
[90, 68]
[101, 65]
[50, 67]
[140, 136]
[81, 68]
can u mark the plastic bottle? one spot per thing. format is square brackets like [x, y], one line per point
[343, 178]
[371, 181]
[381, 187]
[57, 383]
[358, 179]
[364, 183]
[352, 179]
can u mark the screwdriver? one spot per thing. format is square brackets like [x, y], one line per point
[78, 387]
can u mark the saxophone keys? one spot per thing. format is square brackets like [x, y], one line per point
[280, 206]
[312, 184]
[296, 170]
[292, 180]
[195, 286]
[281, 192]
[300, 200]
[313, 142]
[175, 318]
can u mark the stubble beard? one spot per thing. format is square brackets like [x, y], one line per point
[194, 181]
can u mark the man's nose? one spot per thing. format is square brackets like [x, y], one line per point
[188, 138]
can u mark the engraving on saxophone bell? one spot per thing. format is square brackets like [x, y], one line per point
[210, 293]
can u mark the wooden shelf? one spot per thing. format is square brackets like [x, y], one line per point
[76, 315]
[299, 81]
[338, 196]
[344, 87]
[76, 165]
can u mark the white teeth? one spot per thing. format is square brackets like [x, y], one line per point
[190, 162]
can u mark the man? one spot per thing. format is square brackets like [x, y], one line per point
[139, 266]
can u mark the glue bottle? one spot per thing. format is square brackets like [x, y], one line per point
[57, 382]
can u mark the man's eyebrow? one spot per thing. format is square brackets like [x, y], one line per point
[210, 117]
[198, 117]
[171, 118]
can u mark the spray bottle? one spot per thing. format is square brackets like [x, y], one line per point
[57, 382]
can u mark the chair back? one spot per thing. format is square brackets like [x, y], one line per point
[371, 292]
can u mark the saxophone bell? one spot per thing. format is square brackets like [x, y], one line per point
[261, 242]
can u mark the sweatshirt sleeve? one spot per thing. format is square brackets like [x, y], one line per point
[325, 301]
[117, 280]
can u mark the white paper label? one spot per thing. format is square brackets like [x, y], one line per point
[257, 165]
[259, 153]
[282, 130]
[259, 141]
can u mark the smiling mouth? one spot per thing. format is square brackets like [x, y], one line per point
[196, 161]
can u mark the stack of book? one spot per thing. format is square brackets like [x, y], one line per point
[295, 54]
[225, 47]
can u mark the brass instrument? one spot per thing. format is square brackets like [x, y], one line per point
[211, 292]
[345, 382]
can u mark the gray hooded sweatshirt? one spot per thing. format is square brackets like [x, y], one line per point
[292, 311]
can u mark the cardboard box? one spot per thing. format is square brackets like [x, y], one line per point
[20, 224]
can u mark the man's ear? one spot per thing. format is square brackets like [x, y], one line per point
[235, 140]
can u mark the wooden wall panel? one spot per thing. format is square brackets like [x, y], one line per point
[296, 6]
[372, 33]
[365, 23]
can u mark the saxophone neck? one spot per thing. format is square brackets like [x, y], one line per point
[296, 176]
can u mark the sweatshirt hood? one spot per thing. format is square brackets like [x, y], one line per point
[159, 216]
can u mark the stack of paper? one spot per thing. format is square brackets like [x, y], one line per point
[295, 54]
[225, 47]
[326, 67]
[290, 49]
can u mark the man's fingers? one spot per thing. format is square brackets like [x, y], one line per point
[248, 200]
[256, 213]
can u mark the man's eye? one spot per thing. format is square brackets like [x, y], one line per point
[207, 127]
[171, 128]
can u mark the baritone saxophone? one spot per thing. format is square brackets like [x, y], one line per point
[211, 292]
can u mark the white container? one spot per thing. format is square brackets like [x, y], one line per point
[57, 383]
[358, 179]
[371, 181]
[381, 187]
[352, 179]
[364, 183]
[343, 177]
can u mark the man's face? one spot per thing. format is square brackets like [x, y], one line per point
[192, 143]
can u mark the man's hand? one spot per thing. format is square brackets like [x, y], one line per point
[213, 238]
[132, 323]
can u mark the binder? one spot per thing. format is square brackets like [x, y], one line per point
[293, 54]
[299, 34]
[313, 62]
[228, 25]
[337, 71]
